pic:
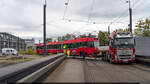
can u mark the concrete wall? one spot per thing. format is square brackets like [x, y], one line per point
[142, 46]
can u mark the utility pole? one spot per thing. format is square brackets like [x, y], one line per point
[44, 28]
[18, 44]
[61, 45]
[39, 41]
[108, 30]
[130, 16]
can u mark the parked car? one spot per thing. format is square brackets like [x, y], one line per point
[9, 51]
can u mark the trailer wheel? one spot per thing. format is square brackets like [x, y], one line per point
[110, 60]
[102, 58]
[107, 58]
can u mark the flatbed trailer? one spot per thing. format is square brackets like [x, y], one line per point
[104, 51]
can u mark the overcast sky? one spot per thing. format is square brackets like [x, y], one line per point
[24, 18]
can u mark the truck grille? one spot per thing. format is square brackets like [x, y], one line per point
[125, 56]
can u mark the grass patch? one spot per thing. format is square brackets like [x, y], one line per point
[18, 60]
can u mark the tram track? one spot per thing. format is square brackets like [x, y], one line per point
[138, 73]
[88, 76]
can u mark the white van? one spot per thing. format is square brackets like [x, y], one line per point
[9, 51]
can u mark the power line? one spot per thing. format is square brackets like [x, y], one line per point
[91, 10]
[136, 3]
[65, 11]
[122, 14]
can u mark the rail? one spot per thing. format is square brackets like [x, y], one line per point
[29, 71]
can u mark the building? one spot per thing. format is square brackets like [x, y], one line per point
[10, 41]
[30, 43]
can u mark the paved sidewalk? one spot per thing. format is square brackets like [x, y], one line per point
[70, 70]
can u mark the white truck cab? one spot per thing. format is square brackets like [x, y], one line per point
[9, 51]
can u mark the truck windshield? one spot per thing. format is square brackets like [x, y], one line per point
[124, 42]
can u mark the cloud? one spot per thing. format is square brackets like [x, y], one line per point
[25, 17]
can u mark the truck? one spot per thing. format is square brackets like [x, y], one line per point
[120, 49]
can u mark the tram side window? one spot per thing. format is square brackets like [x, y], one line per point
[78, 45]
[37, 47]
[68, 46]
[58, 46]
[84, 44]
[48, 47]
[41, 47]
[55, 47]
[73, 45]
[51, 47]
[91, 44]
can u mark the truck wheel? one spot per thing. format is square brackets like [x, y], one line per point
[129, 62]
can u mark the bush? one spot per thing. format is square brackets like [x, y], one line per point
[22, 52]
[29, 51]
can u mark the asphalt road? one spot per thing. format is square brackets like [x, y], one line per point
[78, 70]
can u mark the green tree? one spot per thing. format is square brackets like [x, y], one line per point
[29, 51]
[122, 30]
[49, 39]
[59, 38]
[143, 28]
[68, 37]
[103, 38]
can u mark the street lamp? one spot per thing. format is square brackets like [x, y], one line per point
[109, 28]
[130, 15]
